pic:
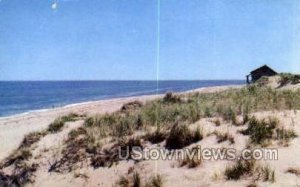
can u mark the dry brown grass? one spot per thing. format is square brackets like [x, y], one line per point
[222, 137]
[295, 171]
[192, 161]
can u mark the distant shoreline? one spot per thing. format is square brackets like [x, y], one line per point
[43, 98]
[14, 128]
[86, 103]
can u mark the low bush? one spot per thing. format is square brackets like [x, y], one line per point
[261, 131]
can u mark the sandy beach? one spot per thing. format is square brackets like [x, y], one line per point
[49, 148]
[13, 128]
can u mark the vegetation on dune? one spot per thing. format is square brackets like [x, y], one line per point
[19, 160]
[22, 174]
[31, 138]
[16, 158]
[239, 169]
[193, 160]
[155, 181]
[59, 123]
[134, 180]
[172, 114]
[263, 81]
[295, 171]
[170, 117]
[288, 78]
[249, 169]
[155, 137]
[171, 98]
[131, 106]
[262, 131]
[181, 136]
[222, 137]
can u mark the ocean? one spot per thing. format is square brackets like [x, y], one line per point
[18, 97]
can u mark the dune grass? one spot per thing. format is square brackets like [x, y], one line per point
[249, 169]
[181, 136]
[239, 169]
[263, 131]
[155, 181]
[222, 137]
[19, 159]
[192, 161]
[172, 114]
[59, 123]
[295, 171]
[286, 78]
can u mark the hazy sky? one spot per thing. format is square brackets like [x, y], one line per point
[117, 39]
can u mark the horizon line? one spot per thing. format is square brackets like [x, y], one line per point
[58, 80]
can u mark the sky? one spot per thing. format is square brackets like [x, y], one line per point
[147, 39]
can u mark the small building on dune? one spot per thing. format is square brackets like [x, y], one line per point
[260, 72]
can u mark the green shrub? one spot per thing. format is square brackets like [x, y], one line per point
[260, 131]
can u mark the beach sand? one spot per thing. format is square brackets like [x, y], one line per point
[210, 173]
[14, 128]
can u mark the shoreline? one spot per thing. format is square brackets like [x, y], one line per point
[37, 111]
[14, 128]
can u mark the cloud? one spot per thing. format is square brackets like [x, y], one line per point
[54, 6]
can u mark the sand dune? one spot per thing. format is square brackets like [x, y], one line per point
[209, 173]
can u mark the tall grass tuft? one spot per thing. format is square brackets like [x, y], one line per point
[181, 136]
[239, 169]
[155, 181]
[261, 131]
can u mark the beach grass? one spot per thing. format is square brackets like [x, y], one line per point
[172, 115]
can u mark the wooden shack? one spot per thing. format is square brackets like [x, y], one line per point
[260, 72]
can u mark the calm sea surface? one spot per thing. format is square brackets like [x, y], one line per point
[23, 96]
